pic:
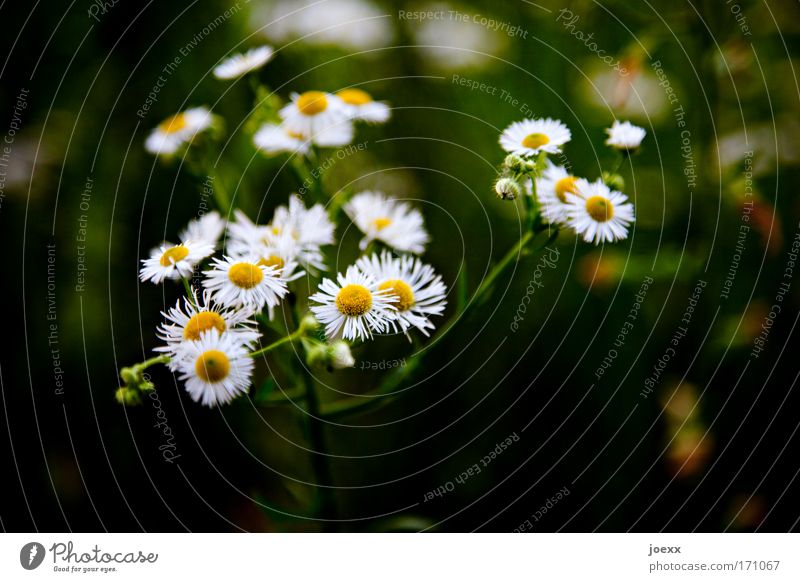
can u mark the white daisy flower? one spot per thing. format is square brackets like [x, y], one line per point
[341, 356]
[360, 106]
[625, 136]
[273, 139]
[599, 214]
[207, 229]
[419, 290]
[198, 315]
[175, 131]
[174, 261]
[281, 252]
[215, 368]
[243, 282]
[552, 189]
[394, 223]
[531, 136]
[240, 64]
[321, 117]
[354, 307]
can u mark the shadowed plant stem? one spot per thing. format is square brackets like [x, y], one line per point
[320, 461]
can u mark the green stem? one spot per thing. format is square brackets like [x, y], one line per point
[289, 338]
[163, 359]
[220, 195]
[189, 294]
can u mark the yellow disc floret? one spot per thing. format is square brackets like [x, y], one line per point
[354, 96]
[381, 223]
[174, 254]
[405, 296]
[173, 124]
[535, 140]
[245, 275]
[272, 261]
[312, 103]
[600, 209]
[212, 366]
[566, 186]
[203, 321]
[354, 300]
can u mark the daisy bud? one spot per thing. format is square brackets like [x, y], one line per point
[340, 355]
[127, 396]
[507, 188]
[515, 164]
[317, 355]
[129, 376]
[309, 325]
[614, 181]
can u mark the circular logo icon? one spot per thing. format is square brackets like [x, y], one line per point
[31, 555]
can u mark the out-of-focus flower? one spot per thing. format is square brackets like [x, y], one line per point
[633, 91]
[599, 214]
[178, 130]
[206, 229]
[746, 512]
[552, 189]
[771, 144]
[420, 291]
[624, 136]
[531, 136]
[454, 44]
[215, 368]
[174, 261]
[244, 282]
[273, 139]
[507, 188]
[690, 444]
[320, 117]
[361, 107]
[240, 64]
[690, 452]
[353, 307]
[600, 269]
[195, 316]
[341, 356]
[394, 223]
[350, 24]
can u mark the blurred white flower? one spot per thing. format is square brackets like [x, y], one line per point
[272, 139]
[207, 229]
[318, 116]
[625, 135]
[175, 131]
[394, 223]
[340, 355]
[361, 107]
[350, 24]
[240, 64]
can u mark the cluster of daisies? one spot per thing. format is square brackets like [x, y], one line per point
[211, 335]
[594, 210]
[315, 118]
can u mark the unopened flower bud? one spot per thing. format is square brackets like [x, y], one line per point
[515, 164]
[340, 355]
[507, 188]
[614, 181]
[309, 324]
[317, 354]
[129, 376]
[127, 396]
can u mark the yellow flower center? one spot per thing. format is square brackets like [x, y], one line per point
[173, 124]
[381, 223]
[212, 366]
[354, 300]
[173, 255]
[599, 208]
[565, 186]
[203, 321]
[312, 103]
[535, 140]
[354, 96]
[245, 275]
[405, 296]
[272, 261]
[295, 134]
